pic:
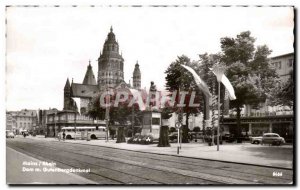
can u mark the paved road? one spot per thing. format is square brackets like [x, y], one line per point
[116, 166]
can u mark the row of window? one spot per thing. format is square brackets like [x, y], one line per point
[111, 48]
[109, 81]
[25, 124]
[110, 74]
[25, 118]
[70, 117]
[112, 65]
[278, 64]
[136, 84]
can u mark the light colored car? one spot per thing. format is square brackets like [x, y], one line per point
[256, 140]
[10, 134]
[268, 138]
[272, 138]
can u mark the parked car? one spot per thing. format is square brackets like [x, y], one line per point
[268, 138]
[173, 136]
[228, 138]
[272, 138]
[10, 134]
[256, 140]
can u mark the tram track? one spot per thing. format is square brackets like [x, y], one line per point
[207, 175]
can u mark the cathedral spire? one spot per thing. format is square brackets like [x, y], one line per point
[89, 77]
[67, 85]
[111, 29]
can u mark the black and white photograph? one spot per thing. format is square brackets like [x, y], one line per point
[150, 95]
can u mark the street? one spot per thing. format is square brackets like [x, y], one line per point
[116, 166]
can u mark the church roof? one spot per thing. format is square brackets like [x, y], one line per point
[137, 69]
[67, 85]
[84, 90]
[111, 38]
[89, 77]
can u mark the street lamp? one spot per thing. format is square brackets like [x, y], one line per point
[219, 72]
[107, 100]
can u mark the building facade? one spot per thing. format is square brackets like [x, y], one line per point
[283, 65]
[43, 120]
[22, 120]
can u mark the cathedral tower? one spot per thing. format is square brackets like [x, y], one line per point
[67, 95]
[110, 63]
[69, 103]
[136, 77]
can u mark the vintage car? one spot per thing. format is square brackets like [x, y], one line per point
[10, 134]
[268, 138]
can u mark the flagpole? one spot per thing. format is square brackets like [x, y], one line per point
[219, 72]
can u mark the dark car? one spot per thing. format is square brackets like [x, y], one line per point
[173, 136]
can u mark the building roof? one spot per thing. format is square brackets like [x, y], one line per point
[111, 38]
[83, 90]
[283, 55]
[25, 113]
[89, 77]
[137, 69]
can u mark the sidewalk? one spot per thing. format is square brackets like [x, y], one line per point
[16, 175]
[275, 156]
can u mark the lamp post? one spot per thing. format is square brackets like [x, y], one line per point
[218, 71]
[178, 124]
[107, 98]
[54, 123]
[75, 117]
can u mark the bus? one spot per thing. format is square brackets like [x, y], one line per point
[83, 132]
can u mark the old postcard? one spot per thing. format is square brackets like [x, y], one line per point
[150, 95]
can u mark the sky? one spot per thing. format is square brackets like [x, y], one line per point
[47, 45]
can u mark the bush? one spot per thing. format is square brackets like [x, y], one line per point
[196, 129]
[172, 129]
[140, 139]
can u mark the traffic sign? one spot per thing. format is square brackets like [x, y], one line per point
[177, 125]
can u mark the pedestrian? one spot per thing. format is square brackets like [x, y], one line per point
[64, 135]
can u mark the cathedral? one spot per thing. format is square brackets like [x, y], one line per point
[110, 75]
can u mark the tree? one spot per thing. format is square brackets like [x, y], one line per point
[164, 129]
[178, 79]
[207, 62]
[119, 115]
[283, 93]
[248, 70]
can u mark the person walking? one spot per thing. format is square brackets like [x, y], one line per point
[64, 135]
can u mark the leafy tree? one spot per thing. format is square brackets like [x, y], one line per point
[178, 79]
[283, 93]
[206, 63]
[248, 70]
